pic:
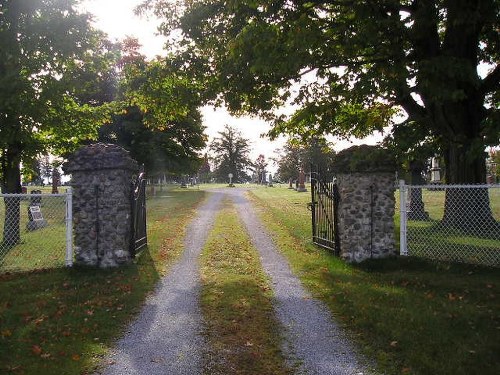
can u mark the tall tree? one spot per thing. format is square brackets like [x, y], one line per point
[296, 155]
[260, 166]
[161, 124]
[204, 173]
[230, 152]
[157, 150]
[46, 46]
[370, 59]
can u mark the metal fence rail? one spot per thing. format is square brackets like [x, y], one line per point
[36, 231]
[458, 223]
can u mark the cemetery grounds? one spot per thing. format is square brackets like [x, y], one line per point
[412, 316]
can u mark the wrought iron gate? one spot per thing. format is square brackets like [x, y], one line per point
[324, 201]
[139, 237]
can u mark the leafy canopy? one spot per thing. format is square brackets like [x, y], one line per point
[294, 156]
[350, 66]
[160, 124]
[52, 64]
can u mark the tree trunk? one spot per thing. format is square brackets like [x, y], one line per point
[417, 207]
[12, 185]
[467, 209]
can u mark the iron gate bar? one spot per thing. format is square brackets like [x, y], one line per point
[139, 237]
[324, 203]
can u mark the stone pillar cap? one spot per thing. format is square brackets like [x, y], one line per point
[99, 156]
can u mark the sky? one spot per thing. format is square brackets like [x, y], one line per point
[117, 19]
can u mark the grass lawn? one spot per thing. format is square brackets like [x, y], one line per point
[236, 303]
[413, 316]
[427, 238]
[41, 248]
[62, 321]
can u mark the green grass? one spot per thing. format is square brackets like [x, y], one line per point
[412, 316]
[41, 248]
[63, 321]
[430, 239]
[236, 303]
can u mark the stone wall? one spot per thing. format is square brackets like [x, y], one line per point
[101, 176]
[366, 215]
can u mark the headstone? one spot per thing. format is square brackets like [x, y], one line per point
[302, 178]
[435, 171]
[416, 204]
[36, 220]
[290, 181]
[183, 182]
[270, 180]
[230, 175]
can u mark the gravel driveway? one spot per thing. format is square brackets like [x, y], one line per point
[166, 337]
[314, 343]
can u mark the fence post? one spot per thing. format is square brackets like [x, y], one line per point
[69, 227]
[403, 250]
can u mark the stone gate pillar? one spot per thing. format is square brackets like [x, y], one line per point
[365, 177]
[101, 176]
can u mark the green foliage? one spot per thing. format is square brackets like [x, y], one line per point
[54, 69]
[230, 152]
[350, 66]
[160, 151]
[260, 170]
[161, 124]
[297, 155]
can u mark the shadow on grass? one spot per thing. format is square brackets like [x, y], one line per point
[60, 321]
[425, 317]
[243, 335]
[435, 240]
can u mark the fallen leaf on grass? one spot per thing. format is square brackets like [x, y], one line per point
[36, 350]
[6, 333]
[394, 343]
[75, 357]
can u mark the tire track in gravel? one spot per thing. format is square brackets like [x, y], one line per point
[314, 344]
[167, 338]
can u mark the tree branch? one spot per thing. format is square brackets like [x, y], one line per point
[491, 81]
[405, 100]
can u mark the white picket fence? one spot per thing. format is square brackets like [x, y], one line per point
[41, 237]
[423, 233]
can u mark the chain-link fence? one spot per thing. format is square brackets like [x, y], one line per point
[451, 222]
[36, 231]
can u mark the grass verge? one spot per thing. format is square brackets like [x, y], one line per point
[412, 316]
[236, 303]
[62, 321]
